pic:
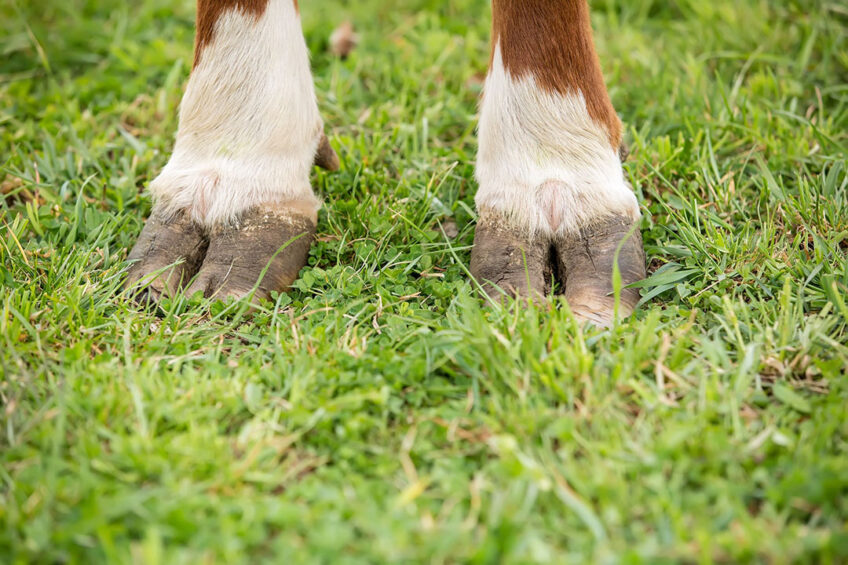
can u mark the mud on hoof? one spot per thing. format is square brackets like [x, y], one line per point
[239, 254]
[168, 253]
[506, 261]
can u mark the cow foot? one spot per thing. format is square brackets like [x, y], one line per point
[265, 250]
[168, 253]
[508, 262]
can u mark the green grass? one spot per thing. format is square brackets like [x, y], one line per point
[378, 413]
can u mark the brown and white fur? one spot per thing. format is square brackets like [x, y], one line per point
[249, 120]
[552, 197]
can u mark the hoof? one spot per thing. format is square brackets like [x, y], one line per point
[585, 264]
[168, 253]
[239, 254]
[508, 263]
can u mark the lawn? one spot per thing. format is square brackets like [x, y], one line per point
[379, 412]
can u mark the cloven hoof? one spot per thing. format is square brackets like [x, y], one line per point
[507, 262]
[268, 247]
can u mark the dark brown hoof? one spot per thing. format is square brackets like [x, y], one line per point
[506, 262]
[509, 263]
[266, 246]
[585, 265]
[168, 253]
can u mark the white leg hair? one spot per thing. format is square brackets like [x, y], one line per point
[543, 163]
[249, 121]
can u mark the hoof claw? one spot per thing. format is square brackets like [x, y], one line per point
[586, 260]
[168, 253]
[265, 247]
[507, 263]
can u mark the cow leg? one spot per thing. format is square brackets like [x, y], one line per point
[552, 195]
[235, 197]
